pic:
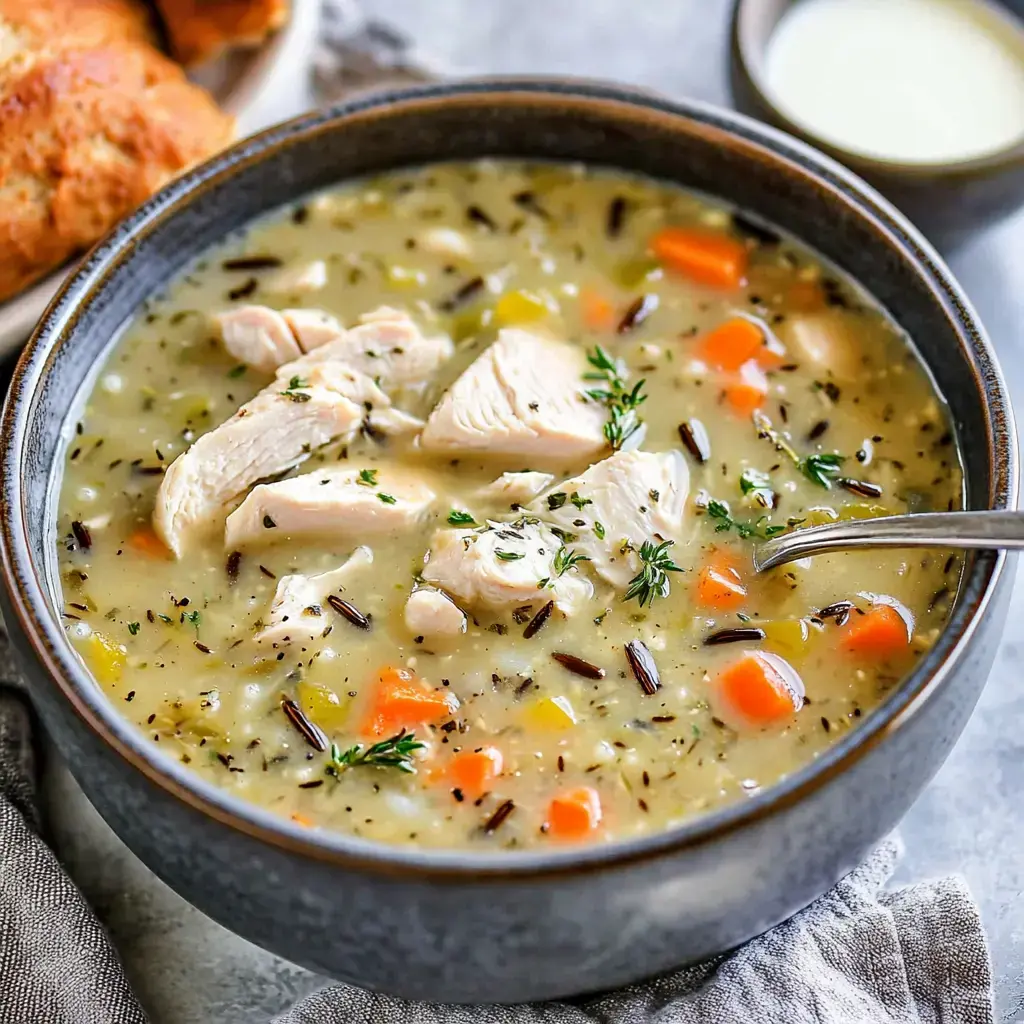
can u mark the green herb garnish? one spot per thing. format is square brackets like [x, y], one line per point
[237, 371]
[133, 628]
[598, 530]
[388, 499]
[394, 752]
[508, 556]
[566, 559]
[821, 468]
[623, 420]
[294, 392]
[720, 512]
[556, 500]
[367, 477]
[652, 580]
[459, 518]
[579, 502]
[758, 485]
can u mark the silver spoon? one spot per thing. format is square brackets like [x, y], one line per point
[921, 530]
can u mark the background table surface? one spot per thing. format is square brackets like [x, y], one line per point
[188, 970]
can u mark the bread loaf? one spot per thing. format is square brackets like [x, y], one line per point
[199, 30]
[93, 119]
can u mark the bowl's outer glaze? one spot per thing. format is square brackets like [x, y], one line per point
[950, 203]
[454, 926]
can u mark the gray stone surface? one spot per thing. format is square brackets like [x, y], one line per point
[187, 970]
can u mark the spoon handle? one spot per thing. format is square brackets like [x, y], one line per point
[989, 529]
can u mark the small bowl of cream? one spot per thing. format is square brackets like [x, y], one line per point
[923, 98]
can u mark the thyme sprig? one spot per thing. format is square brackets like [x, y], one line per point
[622, 402]
[720, 512]
[394, 752]
[821, 468]
[566, 560]
[652, 580]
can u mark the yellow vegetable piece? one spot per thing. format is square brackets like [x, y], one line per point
[551, 713]
[819, 516]
[323, 705]
[519, 307]
[787, 637]
[633, 273]
[106, 657]
[862, 510]
[405, 278]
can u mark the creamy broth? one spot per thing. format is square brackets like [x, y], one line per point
[830, 416]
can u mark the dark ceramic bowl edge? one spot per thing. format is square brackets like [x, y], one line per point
[27, 592]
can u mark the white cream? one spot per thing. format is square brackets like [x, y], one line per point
[920, 81]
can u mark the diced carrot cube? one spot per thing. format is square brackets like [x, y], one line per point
[575, 813]
[719, 584]
[473, 771]
[747, 392]
[731, 344]
[882, 632]
[704, 256]
[598, 312]
[759, 689]
[401, 700]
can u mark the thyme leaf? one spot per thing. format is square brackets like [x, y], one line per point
[394, 752]
[652, 580]
[721, 513]
[456, 517]
[367, 477]
[508, 556]
[623, 419]
[294, 390]
[566, 560]
[388, 499]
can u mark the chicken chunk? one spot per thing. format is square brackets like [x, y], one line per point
[634, 496]
[258, 337]
[524, 397]
[827, 340]
[268, 435]
[312, 327]
[389, 348]
[429, 613]
[297, 612]
[332, 501]
[502, 566]
[516, 488]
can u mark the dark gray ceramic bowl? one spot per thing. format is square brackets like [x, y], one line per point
[948, 201]
[457, 925]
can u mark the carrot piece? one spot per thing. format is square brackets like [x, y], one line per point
[747, 391]
[598, 312]
[731, 344]
[146, 542]
[760, 688]
[402, 700]
[574, 813]
[882, 632]
[301, 819]
[704, 256]
[472, 771]
[719, 585]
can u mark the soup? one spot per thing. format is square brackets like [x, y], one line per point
[423, 510]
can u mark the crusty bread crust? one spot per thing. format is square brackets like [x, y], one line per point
[199, 30]
[93, 119]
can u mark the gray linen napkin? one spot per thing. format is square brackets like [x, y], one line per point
[859, 955]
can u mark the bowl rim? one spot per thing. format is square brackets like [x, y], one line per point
[746, 54]
[26, 589]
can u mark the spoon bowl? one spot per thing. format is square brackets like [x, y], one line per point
[1002, 530]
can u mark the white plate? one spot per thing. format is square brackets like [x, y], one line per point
[257, 86]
